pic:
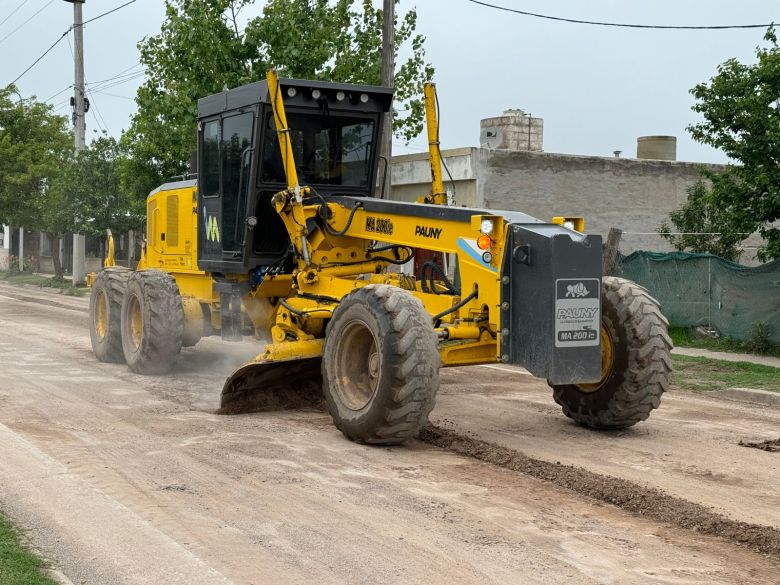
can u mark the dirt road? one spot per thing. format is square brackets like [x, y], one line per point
[126, 479]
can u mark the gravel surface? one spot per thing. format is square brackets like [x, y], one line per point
[125, 479]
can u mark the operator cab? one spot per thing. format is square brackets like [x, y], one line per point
[335, 130]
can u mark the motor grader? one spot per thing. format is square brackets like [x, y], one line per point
[280, 235]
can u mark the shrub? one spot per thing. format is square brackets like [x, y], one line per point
[758, 340]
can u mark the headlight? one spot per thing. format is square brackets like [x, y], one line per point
[486, 226]
[292, 92]
[316, 93]
[364, 98]
[340, 96]
[569, 225]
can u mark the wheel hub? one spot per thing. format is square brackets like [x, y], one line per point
[607, 361]
[358, 365]
[136, 322]
[101, 319]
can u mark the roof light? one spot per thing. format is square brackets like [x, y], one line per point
[486, 226]
[316, 94]
[341, 96]
[364, 98]
[292, 92]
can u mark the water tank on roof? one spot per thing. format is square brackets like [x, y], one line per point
[657, 147]
[513, 130]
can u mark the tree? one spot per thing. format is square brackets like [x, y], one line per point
[201, 50]
[703, 225]
[87, 196]
[34, 144]
[741, 110]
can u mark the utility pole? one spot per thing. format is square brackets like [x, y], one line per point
[80, 128]
[388, 72]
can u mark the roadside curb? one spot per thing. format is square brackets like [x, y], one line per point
[762, 397]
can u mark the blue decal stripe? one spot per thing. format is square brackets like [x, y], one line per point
[474, 254]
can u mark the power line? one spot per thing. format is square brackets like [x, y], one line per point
[617, 24]
[108, 12]
[70, 28]
[14, 11]
[114, 95]
[10, 34]
[67, 87]
[118, 80]
[120, 74]
[46, 52]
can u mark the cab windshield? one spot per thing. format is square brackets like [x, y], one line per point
[328, 150]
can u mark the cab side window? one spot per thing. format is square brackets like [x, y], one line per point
[211, 159]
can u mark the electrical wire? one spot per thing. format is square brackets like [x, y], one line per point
[38, 60]
[36, 13]
[70, 28]
[617, 24]
[14, 11]
[58, 93]
[108, 12]
[123, 73]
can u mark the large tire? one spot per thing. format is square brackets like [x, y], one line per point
[638, 373]
[152, 322]
[105, 309]
[380, 367]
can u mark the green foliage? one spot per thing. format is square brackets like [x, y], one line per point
[741, 110]
[18, 566]
[87, 196]
[759, 338]
[201, 50]
[13, 264]
[33, 145]
[706, 226]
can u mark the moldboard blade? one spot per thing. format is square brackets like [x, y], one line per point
[262, 386]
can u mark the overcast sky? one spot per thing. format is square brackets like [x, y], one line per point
[596, 88]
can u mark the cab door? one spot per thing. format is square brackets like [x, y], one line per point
[225, 176]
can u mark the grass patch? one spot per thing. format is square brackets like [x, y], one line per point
[18, 566]
[682, 337]
[53, 282]
[704, 374]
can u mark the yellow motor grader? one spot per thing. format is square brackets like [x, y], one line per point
[280, 235]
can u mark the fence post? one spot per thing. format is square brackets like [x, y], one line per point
[609, 258]
[709, 292]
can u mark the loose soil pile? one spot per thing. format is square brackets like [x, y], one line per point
[773, 446]
[632, 497]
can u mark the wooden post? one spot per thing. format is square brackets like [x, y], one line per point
[610, 252]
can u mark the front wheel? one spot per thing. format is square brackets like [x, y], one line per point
[636, 361]
[380, 366]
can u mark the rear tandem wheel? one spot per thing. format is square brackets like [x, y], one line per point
[152, 322]
[105, 306]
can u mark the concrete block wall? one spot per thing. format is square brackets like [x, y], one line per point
[411, 176]
[635, 196]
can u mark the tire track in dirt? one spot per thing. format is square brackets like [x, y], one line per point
[629, 496]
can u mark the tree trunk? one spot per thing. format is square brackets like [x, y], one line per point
[55, 255]
[610, 252]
